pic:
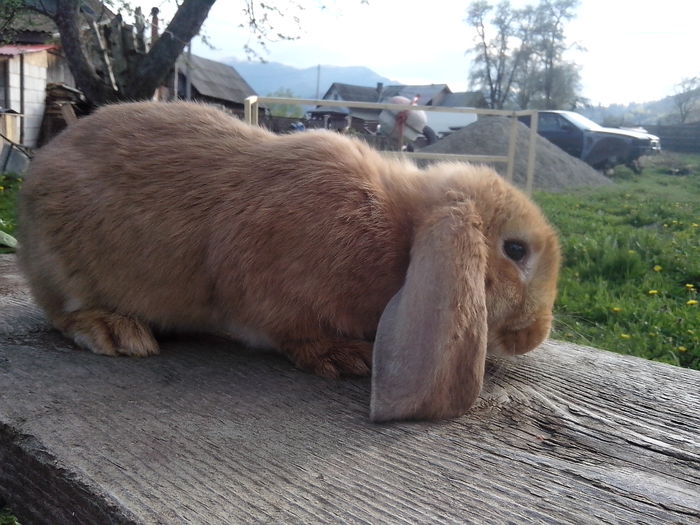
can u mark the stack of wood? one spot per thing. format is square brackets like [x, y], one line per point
[61, 103]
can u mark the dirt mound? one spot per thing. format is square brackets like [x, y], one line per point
[555, 170]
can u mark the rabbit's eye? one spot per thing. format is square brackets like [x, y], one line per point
[515, 250]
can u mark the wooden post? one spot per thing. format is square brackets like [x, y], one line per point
[512, 144]
[68, 113]
[532, 152]
[21, 98]
[188, 73]
[103, 54]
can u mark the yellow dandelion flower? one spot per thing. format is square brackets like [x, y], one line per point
[626, 336]
[657, 268]
[682, 349]
[690, 286]
[616, 309]
[653, 292]
[692, 302]
[694, 225]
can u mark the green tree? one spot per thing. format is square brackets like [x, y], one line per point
[686, 97]
[518, 54]
[496, 61]
[285, 110]
[549, 44]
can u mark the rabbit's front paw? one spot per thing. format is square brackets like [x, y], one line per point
[331, 358]
[108, 333]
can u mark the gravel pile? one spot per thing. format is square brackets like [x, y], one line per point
[555, 170]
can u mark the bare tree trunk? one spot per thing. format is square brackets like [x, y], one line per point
[67, 19]
[157, 63]
[144, 72]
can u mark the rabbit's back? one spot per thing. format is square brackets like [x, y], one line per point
[188, 218]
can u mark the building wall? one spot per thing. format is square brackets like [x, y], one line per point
[58, 71]
[35, 67]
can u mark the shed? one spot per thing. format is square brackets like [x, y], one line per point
[30, 59]
[24, 72]
[212, 82]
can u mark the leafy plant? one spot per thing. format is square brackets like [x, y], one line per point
[6, 517]
[9, 188]
[631, 269]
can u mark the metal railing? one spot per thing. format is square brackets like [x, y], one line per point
[251, 106]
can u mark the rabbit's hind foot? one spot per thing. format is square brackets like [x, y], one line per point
[108, 333]
[331, 357]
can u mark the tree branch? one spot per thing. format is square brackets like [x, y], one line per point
[155, 66]
[67, 19]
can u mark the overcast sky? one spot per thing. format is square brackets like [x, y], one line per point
[636, 50]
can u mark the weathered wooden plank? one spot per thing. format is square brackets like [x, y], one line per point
[210, 432]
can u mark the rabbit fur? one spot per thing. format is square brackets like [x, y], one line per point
[175, 216]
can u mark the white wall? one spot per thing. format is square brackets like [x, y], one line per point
[35, 65]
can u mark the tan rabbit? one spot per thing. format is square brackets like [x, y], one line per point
[178, 216]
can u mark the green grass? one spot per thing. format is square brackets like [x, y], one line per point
[6, 517]
[631, 269]
[9, 187]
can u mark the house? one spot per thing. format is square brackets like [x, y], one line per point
[210, 81]
[367, 120]
[338, 117]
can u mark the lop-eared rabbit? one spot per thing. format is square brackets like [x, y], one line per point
[177, 216]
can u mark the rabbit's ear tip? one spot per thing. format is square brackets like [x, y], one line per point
[379, 413]
[391, 402]
[384, 411]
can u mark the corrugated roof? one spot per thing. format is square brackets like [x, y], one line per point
[22, 49]
[352, 92]
[31, 21]
[216, 80]
[427, 92]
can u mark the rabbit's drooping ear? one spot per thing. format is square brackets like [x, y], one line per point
[430, 348]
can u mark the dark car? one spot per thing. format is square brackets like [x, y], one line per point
[602, 148]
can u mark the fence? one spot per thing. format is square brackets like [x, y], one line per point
[681, 138]
[251, 116]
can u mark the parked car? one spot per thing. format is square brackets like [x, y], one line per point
[602, 148]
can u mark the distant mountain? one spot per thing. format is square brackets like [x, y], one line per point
[266, 78]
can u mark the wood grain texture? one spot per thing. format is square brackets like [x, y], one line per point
[209, 432]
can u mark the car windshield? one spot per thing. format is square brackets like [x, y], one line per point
[580, 121]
